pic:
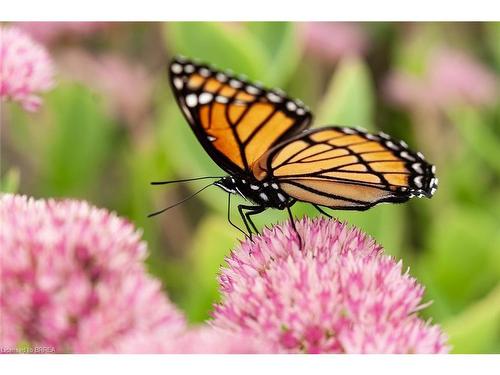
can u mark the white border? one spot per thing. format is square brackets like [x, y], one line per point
[250, 10]
[250, 364]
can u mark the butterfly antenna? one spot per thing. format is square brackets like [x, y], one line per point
[184, 180]
[182, 201]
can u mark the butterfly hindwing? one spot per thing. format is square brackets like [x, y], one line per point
[236, 121]
[347, 168]
[260, 135]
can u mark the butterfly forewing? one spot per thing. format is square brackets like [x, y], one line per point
[260, 134]
[347, 168]
[236, 121]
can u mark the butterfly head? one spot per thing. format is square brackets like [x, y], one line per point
[262, 193]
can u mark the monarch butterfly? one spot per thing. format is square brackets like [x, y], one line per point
[260, 137]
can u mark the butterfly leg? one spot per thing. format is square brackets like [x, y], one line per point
[251, 210]
[292, 221]
[322, 211]
[255, 211]
[229, 215]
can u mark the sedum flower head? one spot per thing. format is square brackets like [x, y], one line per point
[339, 294]
[206, 339]
[73, 279]
[26, 68]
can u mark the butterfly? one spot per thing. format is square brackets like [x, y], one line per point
[261, 138]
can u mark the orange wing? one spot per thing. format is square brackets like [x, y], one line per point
[347, 168]
[236, 121]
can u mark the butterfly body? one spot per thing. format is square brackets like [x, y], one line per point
[265, 193]
[261, 138]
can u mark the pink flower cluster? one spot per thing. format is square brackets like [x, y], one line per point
[73, 280]
[125, 86]
[333, 40]
[26, 68]
[339, 294]
[451, 78]
[49, 32]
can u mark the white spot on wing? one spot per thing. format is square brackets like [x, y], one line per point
[371, 137]
[273, 97]
[221, 77]
[176, 68]
[281, 197]
[407, 156]
[417, 167]
[391, 145]
[205, 98]
[279, 91]
[252, 90]
[221, 99]
[234, 83]
[384, 135]
[291, 106]
[300, 111]
[189, 68]
[191, 100]
[264, 197]
[178, 83]
[204, 72]
[418, 181]
[349, 130]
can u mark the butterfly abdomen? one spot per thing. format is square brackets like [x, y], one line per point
[262, 193]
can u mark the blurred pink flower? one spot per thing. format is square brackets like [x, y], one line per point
[26, 69]
[456, 77]
[212, 340]
[451, 78]
[340, 294]
[127, 87]
[49, 32]
[334, 40]
[73, 280]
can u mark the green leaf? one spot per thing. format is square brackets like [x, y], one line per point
[211, 244]
[459, 266]
[78, 137]
[412, 53]
[492, 38]
[475, 130]
[349, 99]
[9, 183]
[283, 49]
[226, 45]
[476, 329]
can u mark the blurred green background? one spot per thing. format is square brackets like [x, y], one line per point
[111, 126]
